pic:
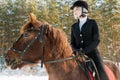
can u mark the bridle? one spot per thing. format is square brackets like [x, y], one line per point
[40, 35]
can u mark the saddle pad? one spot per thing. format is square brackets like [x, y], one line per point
[109, 73]
[90, 75]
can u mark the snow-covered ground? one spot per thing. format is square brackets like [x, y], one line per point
[23, 77]
[34, 73]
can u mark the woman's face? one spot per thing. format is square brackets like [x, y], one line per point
[77, 11]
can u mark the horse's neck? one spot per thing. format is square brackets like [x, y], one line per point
[68, 68]
[61, 68]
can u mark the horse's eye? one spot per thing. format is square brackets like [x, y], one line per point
[26, 35]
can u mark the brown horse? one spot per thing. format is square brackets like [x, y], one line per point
[39, 41]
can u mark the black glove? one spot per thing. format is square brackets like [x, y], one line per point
[78, 51]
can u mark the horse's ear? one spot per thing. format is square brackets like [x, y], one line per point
[32, 18]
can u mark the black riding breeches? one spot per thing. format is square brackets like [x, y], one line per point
[99, 64]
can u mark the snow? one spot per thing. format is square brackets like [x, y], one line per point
[23, 77]
[27, 73]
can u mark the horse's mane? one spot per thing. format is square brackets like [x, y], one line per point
[57, 38]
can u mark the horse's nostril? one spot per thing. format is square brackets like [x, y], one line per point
[7, 61]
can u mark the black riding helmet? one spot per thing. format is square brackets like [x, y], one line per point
[80, 3]
[83, 4]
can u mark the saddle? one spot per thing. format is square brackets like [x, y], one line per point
[88, 66]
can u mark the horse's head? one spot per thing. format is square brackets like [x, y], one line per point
[28, 47]
[37, 40]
